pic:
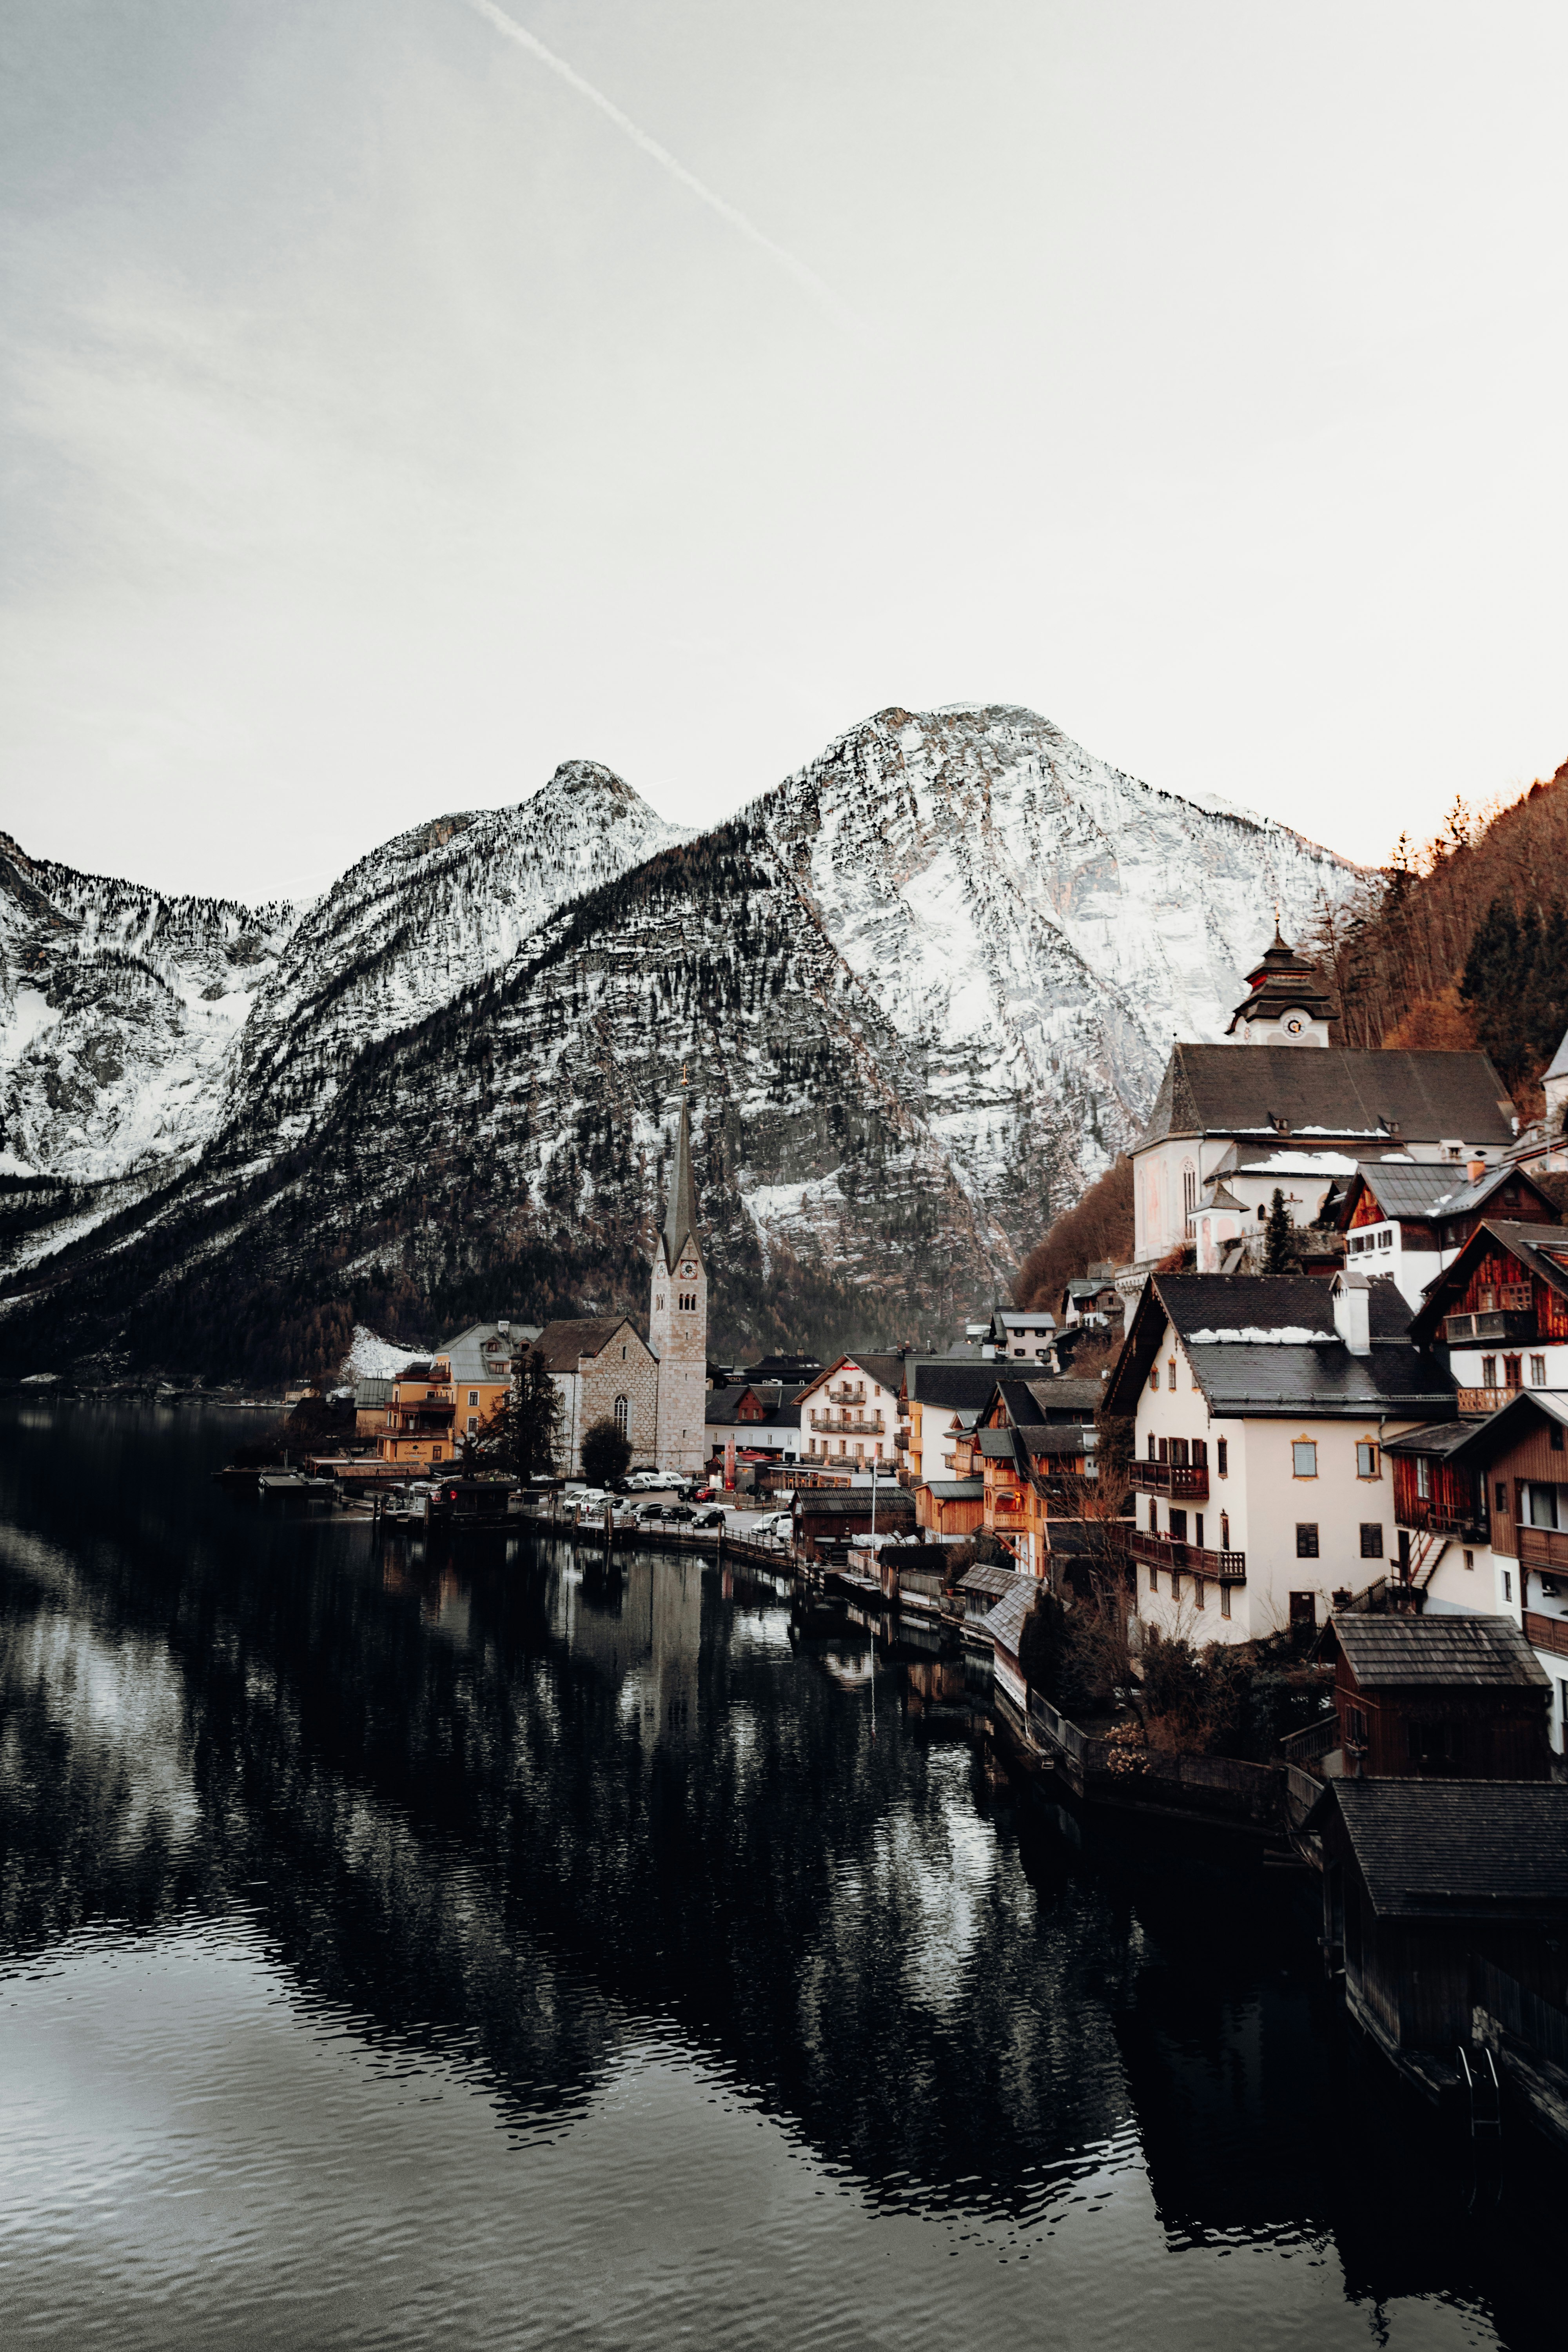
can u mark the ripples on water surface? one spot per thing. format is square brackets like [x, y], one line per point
[497, 1957]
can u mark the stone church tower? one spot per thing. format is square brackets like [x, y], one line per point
[678, 1320]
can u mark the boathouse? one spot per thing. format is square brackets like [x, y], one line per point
[1452, 1697]
[833, 1518]
[1424, 1883]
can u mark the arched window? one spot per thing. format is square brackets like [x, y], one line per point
[1189, 1191]
[623, 1416]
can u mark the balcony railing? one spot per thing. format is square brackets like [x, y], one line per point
[1185, 1559]
[1543, 1548]
[1437, 1519]
[1474, 1404]
[901, 1440]
[1505, 1324]
[843, 1424]
[846, 1396]
[1184, 1478]
[1546, 1633]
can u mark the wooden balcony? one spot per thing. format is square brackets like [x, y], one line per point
[1503, 1326]
[1476, 1404]
[1186, 1481]
[1546, 1633]
[1544, 1550]
[1186, 1558]
[844, 1424]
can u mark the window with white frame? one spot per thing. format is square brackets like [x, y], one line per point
[1304, 1457]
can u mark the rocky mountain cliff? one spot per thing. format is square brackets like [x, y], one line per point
[921, 992]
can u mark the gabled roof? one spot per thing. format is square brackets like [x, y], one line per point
[370, 1394]
[1004, 1623]
[1266, 1345]
[1483, 1441]
[996, 1445]
[875, 1363]
[957, 1490]
[1067, 1399]
[1435, 1437]
[1539, 1249]
[1330, 1093]
[1016, 1398]
[944, 1382]
[988, 1578]
[563, 1342]
[1429, 1652]
[780, 1406]
[485, 1352]
[1459, 1848]
[1427, 1190]
[1068, 1438]
[893, 1502]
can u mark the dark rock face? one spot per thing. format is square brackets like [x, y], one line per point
[918, 993]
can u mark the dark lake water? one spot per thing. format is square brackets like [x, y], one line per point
[395, 1956]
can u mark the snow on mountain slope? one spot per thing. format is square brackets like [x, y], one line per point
[119, 1008]
[921, 990]
[1034, 924]
[422, 918]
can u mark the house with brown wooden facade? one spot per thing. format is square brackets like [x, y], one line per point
[1481, 1494]
[1408, 1218]
[1460, 1698]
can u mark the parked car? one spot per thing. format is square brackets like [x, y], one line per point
[646, 1512]
[709, 1516]
[779, 1524]
[682, 1513]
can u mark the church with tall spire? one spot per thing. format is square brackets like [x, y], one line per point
[677, 1318]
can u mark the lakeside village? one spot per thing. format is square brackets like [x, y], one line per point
[1261, 1537]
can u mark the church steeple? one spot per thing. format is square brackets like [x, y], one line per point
[680, 1217]
[677, 1316]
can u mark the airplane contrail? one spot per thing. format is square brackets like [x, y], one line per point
[815, 286]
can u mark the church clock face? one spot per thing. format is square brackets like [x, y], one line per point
[1294, 1024]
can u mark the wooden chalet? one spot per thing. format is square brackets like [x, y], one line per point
[1405, 1218]
[1428, 1882]
[1501, 1310]
[826, 1520]
[1449, 1697]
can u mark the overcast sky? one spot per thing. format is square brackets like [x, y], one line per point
[387, 421]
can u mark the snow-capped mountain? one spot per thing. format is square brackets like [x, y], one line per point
[921, 992]
[118, 1010]
[1036, 926]
[420, 920]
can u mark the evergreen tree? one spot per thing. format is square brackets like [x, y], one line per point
[607, 1455]
[1278, 1254]
[522, 1431]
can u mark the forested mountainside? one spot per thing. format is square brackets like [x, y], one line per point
[1463, 940]
[920, 993]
